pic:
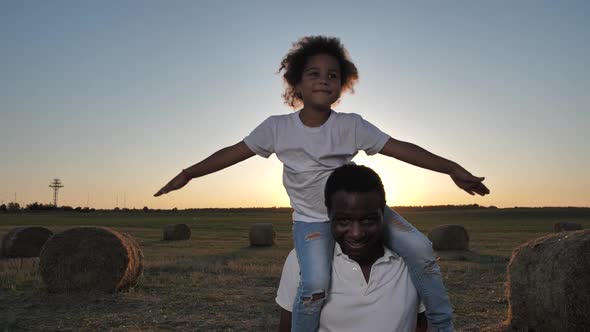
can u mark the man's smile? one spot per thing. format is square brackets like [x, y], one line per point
[356, 245]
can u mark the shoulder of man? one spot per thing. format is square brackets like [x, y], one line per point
[289, 282]
[291, 260]
[402, 264]
[290, 273]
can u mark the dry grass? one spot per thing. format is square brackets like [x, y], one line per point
[566, 226]
[216, 282]
[19, 273]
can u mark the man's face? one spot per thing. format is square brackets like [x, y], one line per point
[356, 221]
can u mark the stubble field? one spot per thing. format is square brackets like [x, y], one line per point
[216, 282]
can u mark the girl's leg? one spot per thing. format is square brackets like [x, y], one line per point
[416, 250]
[314, 245]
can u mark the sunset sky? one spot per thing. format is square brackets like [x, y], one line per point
[116, 97]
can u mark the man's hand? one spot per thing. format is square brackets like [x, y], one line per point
[176, 183]
[466, 181]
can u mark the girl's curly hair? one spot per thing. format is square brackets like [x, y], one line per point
[306, 47]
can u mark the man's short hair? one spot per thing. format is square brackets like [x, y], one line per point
[353, 179]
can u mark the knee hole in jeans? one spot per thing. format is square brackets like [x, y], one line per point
[313, 236]
[314, 297]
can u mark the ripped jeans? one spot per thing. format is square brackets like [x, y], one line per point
[314, 245]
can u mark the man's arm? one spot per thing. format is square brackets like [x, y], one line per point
[285, 323]
[287, 290]
[422, 323]
[417, 156]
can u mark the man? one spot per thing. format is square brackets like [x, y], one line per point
[371, 288]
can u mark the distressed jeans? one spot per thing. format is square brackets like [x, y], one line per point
[314, 245]
[416, 250]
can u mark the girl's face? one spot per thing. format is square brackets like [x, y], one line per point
[320, 84]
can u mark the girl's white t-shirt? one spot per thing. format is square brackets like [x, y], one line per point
[310, 154]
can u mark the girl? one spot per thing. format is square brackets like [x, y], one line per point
[312, 142]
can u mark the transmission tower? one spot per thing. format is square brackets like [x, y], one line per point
[56, 184]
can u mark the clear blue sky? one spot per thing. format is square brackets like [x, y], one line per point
[115, 97]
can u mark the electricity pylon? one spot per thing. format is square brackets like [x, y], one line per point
[56, 184]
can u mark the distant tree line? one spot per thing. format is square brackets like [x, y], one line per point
[33, 207]
[442, 207]
[11, 207]
[36, 206]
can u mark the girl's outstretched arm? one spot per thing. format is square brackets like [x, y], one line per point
[417, 156]
[219, 160]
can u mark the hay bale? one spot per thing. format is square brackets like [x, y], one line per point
[90, 259]
[566, 226]
[25, 241]
[176, 232]
[262, 235]
[548, 284]
[449, 237]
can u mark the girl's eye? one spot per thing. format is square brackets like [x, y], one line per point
[332, 76]
[314, 73]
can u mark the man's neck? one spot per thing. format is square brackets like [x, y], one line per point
[367, 264]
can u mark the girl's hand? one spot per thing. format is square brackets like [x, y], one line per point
[176, 183]
[466, 181]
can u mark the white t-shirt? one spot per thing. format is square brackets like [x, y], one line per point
[310, 154]
[388, 303]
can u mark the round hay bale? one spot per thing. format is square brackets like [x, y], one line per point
[262, 235]
[90, 259]
[176, 232]
[548, 285]
[449, 237]
[566, 226]
[25, 241]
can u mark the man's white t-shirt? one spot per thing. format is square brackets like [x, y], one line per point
[310, 154]
[389, 302]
